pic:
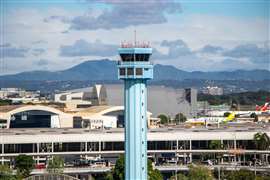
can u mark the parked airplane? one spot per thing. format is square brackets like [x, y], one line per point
[211, 120]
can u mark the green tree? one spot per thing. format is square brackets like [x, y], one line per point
[200, 172]
[108, 176]
[56, 165]
[242, 174]
[180, 176]
[4, 102]
[180, 118]
[215, 144]
[153, 174]
[262, 177]
[24, 165]
[262, 141]
[105, 176]
[163, 118]
[6, 173]
[118, 173]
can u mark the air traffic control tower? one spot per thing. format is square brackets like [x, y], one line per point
[135, 69]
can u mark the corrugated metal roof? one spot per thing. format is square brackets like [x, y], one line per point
[83, 135]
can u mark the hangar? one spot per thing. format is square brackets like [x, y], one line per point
[45, 116]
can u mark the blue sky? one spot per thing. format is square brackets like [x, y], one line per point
[242, 8]
[237, 8]
[205, 35]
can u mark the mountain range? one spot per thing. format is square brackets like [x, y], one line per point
[96, 70]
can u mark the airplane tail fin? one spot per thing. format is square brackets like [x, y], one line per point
[230, 117]
[265, 107]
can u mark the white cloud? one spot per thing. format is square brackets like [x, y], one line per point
[27, 28]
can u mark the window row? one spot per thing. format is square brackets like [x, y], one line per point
[130, 71]
[110, 146]
[136, 57]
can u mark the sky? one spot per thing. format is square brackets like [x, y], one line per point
[192, 35]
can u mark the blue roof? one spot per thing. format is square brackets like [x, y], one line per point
[135, 50]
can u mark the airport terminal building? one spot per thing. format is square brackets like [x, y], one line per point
[181, 144]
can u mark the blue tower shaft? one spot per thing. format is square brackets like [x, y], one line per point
[135, 129]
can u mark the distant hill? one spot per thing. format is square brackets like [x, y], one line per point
[106, 70]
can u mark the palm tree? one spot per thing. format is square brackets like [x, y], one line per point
[262, 142]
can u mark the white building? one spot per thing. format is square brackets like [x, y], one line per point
[213, 90]
[95, 96]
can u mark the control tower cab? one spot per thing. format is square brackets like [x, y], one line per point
[134, 63]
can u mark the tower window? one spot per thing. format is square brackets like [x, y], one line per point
[142, 57]
[139, 71]
[127, 57]
[122, 71]
[130, 71]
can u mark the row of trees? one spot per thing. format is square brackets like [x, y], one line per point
[118, 172]
[179, 118]
[203, 173]
[25, 164]
[195, 172]
[4, 102]
[245, 98]
[199, 172]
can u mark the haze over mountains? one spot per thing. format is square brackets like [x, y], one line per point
[106, 70]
